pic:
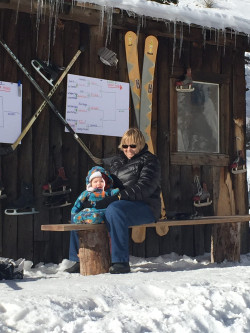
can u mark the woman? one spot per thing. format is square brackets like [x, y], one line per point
[136, 172]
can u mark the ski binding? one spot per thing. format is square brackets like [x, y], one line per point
[48, 71]
[107, 57]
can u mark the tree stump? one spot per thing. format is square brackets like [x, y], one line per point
[94, 252]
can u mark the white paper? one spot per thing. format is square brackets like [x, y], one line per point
[97, 106]
[10, 111]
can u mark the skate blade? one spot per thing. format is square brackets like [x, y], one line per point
[60, 206]
[203, 204]
[237, 171]
[185, 90]
[51, 194]
[13, 211]
[38, 68]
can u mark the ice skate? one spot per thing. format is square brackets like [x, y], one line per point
[239, 164]
[49, 72]
[24, 205]
[2, 195]
[202, 197]
[58, 201]
[185, 85]
[58, 186]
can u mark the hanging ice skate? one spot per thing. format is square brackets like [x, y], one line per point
[185, 84]
[24, 205]
[239, 164]
[2, 195]
[107, 57]
[57, 191]
[57, 201]
[202, 197]
[48, 71]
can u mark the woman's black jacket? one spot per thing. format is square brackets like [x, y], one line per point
[139, 178]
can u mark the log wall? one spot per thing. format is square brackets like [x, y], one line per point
[46, 146]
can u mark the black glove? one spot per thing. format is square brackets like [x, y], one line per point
[87, 204]
[106, 201]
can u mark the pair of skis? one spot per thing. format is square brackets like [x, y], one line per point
[142, 87]
[142, 95]
[9, 149]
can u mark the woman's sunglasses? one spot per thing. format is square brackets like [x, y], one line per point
[126, 146]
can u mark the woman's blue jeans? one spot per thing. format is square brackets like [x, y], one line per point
[119, 216]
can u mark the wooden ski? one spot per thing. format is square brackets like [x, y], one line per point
[150, 52]
[131, 42]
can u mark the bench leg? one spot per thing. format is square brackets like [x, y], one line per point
[94, 252]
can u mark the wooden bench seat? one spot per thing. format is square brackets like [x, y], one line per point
[94, 253]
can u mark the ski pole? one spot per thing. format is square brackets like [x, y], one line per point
[54, 109]
[11, 148]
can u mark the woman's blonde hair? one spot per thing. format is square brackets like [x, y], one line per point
[133, 136]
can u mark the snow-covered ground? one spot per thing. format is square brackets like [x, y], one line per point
[166, 294]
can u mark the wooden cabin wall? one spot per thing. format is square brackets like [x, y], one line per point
[46, 146]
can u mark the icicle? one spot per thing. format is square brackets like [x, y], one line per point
[218, 39]
[109, 11]
[138, 26]
[181, 39]
[174, 46]
[101, 19]
[204, 34]
[17, 10]
[225, 41]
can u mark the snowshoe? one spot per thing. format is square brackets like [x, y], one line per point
[185, 85]
[48, 71]
[239, 164]
[58, 201]
[10, 269]
[24, 205]
[59, 186]
[107, 56]
[2, 195]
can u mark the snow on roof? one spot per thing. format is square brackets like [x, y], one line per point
[231, 14]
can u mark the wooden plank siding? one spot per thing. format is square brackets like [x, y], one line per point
[47, 146]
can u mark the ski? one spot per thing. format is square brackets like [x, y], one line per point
[131, 42]
[52, 106]
[9, 149]
[150, 52]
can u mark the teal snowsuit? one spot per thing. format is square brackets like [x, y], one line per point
[79, 214]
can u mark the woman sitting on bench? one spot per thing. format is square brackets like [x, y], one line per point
[136, 172]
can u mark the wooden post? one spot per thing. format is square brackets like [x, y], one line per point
[94, 252]
[225, 237]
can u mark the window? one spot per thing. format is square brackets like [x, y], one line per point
[198, 119]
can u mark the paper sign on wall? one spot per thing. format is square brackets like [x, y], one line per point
[97, 106]
[10, 111]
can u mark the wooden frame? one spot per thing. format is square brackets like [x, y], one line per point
[193, 158]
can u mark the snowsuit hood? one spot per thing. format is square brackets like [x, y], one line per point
[105, 175]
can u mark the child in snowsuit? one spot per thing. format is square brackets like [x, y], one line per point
[98, 185]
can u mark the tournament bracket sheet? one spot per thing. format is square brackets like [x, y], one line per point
[10, 111]
[97, 106]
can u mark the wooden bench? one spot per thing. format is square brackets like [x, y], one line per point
[94, 252]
